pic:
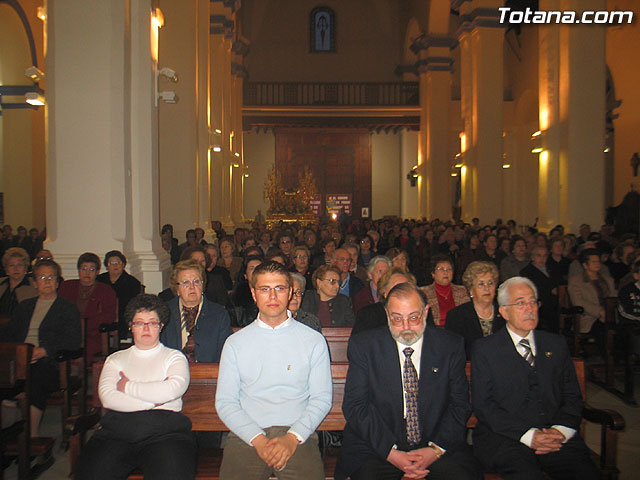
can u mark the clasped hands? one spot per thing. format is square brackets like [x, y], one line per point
[277, 451]
[547, 440]
[413, 463]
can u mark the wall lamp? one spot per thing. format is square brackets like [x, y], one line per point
[166, 96]
[34, 98]
[34, 73]
[537, 141]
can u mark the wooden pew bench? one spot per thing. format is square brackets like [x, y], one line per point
[198, 405]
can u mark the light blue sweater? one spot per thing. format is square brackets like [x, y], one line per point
[270, 377]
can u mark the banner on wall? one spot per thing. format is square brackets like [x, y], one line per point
[338, 201]
[316, 204]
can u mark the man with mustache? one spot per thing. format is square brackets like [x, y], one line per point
[406, 398]
[526, 396]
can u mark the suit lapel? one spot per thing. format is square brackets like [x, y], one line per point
[392, 373]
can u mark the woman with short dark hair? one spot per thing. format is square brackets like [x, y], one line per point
[16, 286]
[142, 389]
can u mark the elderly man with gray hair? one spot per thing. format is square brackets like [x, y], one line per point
[526, 396]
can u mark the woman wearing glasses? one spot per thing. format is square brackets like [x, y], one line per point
[142, 389]
[196, 326]
[479, 317]
[443, 295]
[96, 301]
[51, 323]
[331, 307]
[309, 319]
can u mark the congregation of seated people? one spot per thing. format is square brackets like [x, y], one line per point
[335, 275]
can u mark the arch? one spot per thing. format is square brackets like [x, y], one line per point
[27, 28]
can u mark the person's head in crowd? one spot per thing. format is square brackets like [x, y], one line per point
[429, 235]
[22, 232]
[589, 258]
[329, 248]
[539, 255]
[391, 278]
[442, 270]
[472, 241]
[584, 231]
[238, 236]
[635, 270]
[605, 250]
[556, 247]
[518, 300]
[310, 238]
[350, 238]
[227, 247]
[88, 268]
[167, 229]
[337, 237]
[300, 257]
[250, 264]
[475, 221]
[366, 244]
[375, 238]
[188, 281]
[490, 243]
[46, 274]
[481, 281]
[354, 253]
[518, 247]
[399, 258]
[377, 267]
[15, 262]
[254, 250]
[326, 279]
[33, 234]
[196, 253]
[342, 260]
[502, 232]
[199, 234]
[285, 243]
[540, 240]
[406, 307]
[555, 233]
[623, 250]
[7, 231]
[271, 287]
[114, 262]
[191, 237]
[265, 239]
[44, 255]
[299, 283]
[276, 255]
[212, 253]
[146, 315]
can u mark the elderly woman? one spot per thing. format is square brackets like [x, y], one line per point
[309, 319]
[369, 294]
[16, 286]
[331, 307]
[300, 263]
[443, 295]
[51, 323]
[228, 259]
[96, 301]
[142, 389]
[126, 286]
[479, 317]
[196, 326]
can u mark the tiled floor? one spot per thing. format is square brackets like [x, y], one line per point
[628, 440]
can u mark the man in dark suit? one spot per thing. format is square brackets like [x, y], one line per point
[526, 396]
[350, 284]
[390, 434]
[547, 287]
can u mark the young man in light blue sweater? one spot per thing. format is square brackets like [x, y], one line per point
[274, 388]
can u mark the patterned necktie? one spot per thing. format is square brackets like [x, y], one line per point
[528, 354]
[189, 315]
[410, 379]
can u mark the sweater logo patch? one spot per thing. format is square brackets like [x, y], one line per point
[288, 367]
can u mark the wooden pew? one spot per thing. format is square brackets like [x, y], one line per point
[337, 339]
[199, 406]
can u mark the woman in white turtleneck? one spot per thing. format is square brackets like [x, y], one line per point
[142, 389]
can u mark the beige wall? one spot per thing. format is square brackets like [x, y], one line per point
[259, 156]
[623, 45]
[369, 37]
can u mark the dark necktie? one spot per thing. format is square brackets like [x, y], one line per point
[410, 380]
[528, 354]
[189, 315]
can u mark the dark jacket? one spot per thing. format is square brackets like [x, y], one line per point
[60, 328]
[212, 329]
[464, 321]
[340, 308]
[363, 298]
[126, 287]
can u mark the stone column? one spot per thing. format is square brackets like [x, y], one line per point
[481, 38]
[102, 189]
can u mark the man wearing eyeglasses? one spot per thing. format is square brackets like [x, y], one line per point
[406, 398]
[526, 396]
[274, 388]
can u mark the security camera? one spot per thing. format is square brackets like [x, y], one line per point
[34, 73]
[169, 73]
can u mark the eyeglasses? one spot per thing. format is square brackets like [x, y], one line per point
[488, 284]
[279, 289]
[186, 283]
[298, 293]
[44, 258]
[114, 262]
[444, 269]
[151, 325]
[47, 277]
[413, 319]
[285, 241]
[521, 305]
[300, 256]
[332, 281]
[88, 269]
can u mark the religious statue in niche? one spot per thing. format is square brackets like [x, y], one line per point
[323, 30]
[290, 205]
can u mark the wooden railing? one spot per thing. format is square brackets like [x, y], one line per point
[332, 94]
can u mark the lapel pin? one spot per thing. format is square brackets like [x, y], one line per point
[288, 367]
[434, 369]
[548, 354]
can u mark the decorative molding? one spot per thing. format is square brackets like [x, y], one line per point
[240, 47]
[239, 70]
[402, 69]
[425, 41]
[456, 4]
[435, 64]
[234, 5]
[479, 18]
[220, 24]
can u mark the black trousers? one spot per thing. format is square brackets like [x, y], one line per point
[159, 442]
[45, 379]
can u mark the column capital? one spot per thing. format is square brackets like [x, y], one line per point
[424, 42]
[479, 18]
[434, 64]
[239, 70]
[240, 47]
